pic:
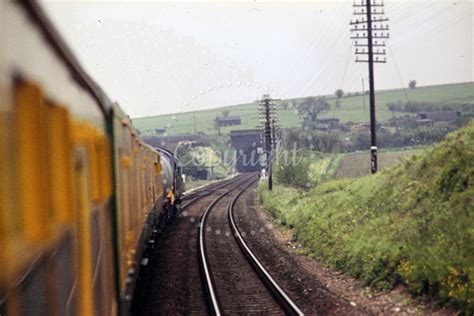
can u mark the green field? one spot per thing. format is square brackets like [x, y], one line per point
[352, 109]
[355, 165]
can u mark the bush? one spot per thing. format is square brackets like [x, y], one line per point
[325, 142]
[417, 106]
[294, 173]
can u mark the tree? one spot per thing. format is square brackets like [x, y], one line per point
[339, 93]
[310, 107]
[217, 127]
[412, 84]
[225, 113]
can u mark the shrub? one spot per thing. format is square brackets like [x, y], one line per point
[294, 173]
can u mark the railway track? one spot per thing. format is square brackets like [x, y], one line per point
[175, 256]
[208, 190]
[230, 279]
[233, 278]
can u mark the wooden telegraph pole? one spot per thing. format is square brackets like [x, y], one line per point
[368, 30]
[268, 118]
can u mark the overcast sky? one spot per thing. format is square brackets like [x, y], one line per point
[163, 57]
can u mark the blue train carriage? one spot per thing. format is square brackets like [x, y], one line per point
[56, 221]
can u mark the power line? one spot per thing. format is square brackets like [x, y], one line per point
[398, 73]
[342, 83]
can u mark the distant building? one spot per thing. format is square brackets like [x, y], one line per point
[424, 122]
[227, 121]
[160, 131]
[323, 124]
[329, 121]
[318, 127]
[430, 118]
[364, 127]
[311, 126]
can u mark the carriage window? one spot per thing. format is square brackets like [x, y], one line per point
[60, 162]
[31, 132]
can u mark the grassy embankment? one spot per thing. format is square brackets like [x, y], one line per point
[412, 223]
[352, 109]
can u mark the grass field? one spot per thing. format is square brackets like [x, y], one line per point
[352, 109]
[358, 164]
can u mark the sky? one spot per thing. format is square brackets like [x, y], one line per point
[166, 57]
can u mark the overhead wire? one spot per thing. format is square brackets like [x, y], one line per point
[342, 81]
[398, 72]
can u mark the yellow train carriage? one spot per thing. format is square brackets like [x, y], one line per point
[80, 193]
[139, 188]
[55, 176]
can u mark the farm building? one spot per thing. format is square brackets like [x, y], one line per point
[329, 121]
[364, 127]
[431, 118]
[221, 121]
[160, 131]
[315, 126]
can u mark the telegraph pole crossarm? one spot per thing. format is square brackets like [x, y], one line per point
[267, 115]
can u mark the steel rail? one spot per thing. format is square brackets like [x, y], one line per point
[208, 187]
[278, 293]
[208, 191]
[208, 285]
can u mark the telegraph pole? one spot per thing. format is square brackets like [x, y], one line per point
[274, 135]
[363, 92]
[369, 29]
[267, 114]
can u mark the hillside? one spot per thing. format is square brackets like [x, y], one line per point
[352, 109]
[354, 165]
[411, 224]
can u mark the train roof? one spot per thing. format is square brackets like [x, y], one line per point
[169, 154]
[63, 51]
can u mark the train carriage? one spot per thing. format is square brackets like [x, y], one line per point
[138, 204]
[80, 193]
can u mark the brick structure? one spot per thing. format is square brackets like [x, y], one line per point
[246, 142]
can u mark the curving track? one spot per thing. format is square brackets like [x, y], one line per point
[171, 282]
[205, 263]
[234, 279]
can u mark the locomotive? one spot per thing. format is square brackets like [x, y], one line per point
[81, 194]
